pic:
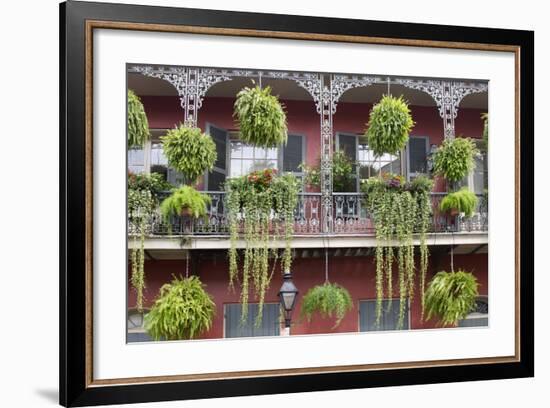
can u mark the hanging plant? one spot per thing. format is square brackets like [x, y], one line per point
[485, 135]
[138, 126]
[153, 182]
[399, 209]
[390, 123]
[189, 151]
[141, 205]
[451, 296]
[261, 117]
[461, 201]
[260, 207]
[454, 159]
[182, 310]
[329, 300]
[185, 201]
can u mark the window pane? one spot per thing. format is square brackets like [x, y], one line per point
[292, 154]
[417, 154]
[389, 319]
[136, 162]
[270, 321]
[215, 181]
[219, 136]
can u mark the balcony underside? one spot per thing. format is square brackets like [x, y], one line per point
[470, 240]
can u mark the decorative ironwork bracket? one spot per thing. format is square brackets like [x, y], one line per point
[447, 96]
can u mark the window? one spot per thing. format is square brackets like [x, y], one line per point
[389, 319]
[417, 155]
[136, 331]
[477, 180]
[270, 320]
[215, 179]
[293, 154]
[479, 317]
[246, 158]
[136, 160]
[369, 165]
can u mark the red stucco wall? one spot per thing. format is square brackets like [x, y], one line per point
[165, 112]
[357, 274]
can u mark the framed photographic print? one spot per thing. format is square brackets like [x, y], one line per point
[255, 203]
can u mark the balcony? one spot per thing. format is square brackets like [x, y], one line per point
[350, 218]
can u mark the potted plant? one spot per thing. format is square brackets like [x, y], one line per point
[390, 123]
[189, 151]
[451, 296]
[454, 159]
[461, 201]
[261, 117]
[328, 300]
[182, 310]
[138, 126]
[185, 201]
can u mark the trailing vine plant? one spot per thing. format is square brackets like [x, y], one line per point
[140, 209]
[138, 125]
[260, 208]
[399, 210]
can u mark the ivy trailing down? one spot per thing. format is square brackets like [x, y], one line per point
[138, 126]
[329, 300]
[261, 117]
[143, 196]
[182, 310]
[451, 296]
[399, 210]
[189, 151]
[140, 209]
[260, 207]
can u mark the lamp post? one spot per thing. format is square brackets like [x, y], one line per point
[287, 299]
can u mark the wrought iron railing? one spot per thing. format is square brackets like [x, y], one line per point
[349, 216]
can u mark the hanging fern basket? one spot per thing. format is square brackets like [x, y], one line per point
[327, 300]
[390, 123]
[138, 126]
[183, 310]
[451, 296]
[189, 151]
[454, 159]
[261, 117]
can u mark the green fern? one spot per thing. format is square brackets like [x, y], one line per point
[454, 159]
[451, 296]
[185, 197]
[390, 123]
[182, 310]
[138, 126]
[261, 117]
[189, 151]
[329, 300]
[463, 201]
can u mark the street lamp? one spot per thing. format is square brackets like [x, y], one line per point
[287, 298]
